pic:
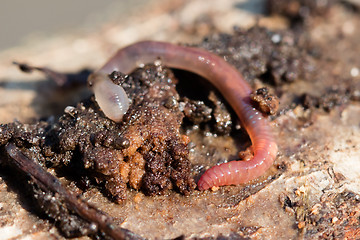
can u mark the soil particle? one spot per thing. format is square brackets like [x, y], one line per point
[221, 114]
[196, 111]
[267, 103]
[334, 97]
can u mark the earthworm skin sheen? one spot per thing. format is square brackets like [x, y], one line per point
[232, 86]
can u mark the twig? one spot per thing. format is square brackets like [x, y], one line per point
[45, 180]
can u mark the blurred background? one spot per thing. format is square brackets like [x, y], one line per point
[22, 21]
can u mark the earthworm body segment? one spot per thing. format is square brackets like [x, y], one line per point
[114, 102]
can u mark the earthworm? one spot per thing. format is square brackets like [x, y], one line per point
[224, 77]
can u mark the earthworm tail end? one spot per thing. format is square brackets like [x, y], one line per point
[236, 172]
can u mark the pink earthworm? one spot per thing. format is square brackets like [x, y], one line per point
[226, 79]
